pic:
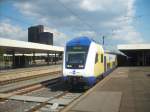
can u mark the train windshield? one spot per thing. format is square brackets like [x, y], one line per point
[76, 56]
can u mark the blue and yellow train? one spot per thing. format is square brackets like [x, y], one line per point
[85, 61]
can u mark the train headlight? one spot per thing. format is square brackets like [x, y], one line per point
[69, 66]
[81, 66]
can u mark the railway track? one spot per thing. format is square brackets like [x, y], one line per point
[54, 96]
[40, 95]
[22, 70]
[30, 81]
[28, 89]
[32, 87]
[56, 103]
[27, 78]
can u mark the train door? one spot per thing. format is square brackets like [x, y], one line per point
[105, 64]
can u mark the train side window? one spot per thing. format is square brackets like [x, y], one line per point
[96, 58]
[102, 57]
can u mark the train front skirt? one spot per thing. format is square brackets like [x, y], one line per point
[88, 81]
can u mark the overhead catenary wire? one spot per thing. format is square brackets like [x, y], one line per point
[15, 19]
[76, 15]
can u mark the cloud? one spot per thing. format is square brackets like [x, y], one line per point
[59, 37]
[88, 33]
[128, 33]
[75, 17]
[8, 30]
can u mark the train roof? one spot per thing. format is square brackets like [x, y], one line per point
[80, 40]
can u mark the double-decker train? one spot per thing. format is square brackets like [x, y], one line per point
[85, 61]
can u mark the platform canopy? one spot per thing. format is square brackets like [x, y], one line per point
[138, 54]
[134, 47]
[9, 46]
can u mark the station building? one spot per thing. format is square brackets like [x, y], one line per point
[136, 55]
[16, 54]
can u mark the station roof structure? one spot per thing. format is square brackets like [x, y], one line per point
[8, 46]
[133, 47]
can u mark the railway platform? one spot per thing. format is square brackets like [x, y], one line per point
[126, 89]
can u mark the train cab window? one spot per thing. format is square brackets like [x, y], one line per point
[75, 57]
[96, 58]
[102, 58]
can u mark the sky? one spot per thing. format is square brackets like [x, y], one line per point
[119, 21]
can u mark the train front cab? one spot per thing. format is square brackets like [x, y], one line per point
[75, 57]
[85, 61]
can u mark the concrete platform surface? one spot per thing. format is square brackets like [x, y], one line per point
[126, 89]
